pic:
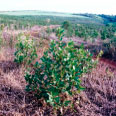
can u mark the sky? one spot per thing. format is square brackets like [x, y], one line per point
[72, 6]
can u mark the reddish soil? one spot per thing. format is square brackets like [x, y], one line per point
[108, 62]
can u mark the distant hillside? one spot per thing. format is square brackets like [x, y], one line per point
[80, 18]
[105, 18]
[39, 13]
[40, 17]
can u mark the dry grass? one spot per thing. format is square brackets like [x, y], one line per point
[99, 98]
[100, 92]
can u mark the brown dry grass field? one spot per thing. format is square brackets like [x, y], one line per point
[98, 99]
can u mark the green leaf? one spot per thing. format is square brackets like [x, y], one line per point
[66, 103]
[57, 100]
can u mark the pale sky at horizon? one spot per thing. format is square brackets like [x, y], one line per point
[73, 6]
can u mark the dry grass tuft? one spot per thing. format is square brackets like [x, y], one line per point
[100, 92]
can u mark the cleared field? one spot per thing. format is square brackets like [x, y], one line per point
[20, 13]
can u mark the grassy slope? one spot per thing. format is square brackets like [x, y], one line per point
[65, 16]
[34, 12]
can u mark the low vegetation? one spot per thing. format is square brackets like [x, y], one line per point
[57, 76]
[25, 50]
[61, 78]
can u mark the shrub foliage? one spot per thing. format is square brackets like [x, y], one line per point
[25, 50]
[58, 74]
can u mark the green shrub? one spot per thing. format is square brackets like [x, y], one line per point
[113, 41]
[25, 50]
[1, 31]
[49, 31]
[57, 77]
[66, 25]
[1, 40]
[69, 30]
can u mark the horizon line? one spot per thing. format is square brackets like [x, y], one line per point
[58, 12]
